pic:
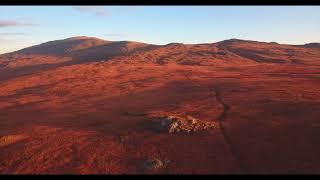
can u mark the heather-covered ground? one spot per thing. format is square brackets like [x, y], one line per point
[94, 116]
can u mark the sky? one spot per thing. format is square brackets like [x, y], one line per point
[24, 26]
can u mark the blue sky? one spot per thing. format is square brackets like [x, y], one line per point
[23, 26]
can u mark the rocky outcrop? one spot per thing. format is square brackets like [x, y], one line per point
[176, 124]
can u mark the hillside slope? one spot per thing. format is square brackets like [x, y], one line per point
[93, 115]
[75, 50]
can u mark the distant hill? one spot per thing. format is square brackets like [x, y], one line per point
[86, 49]
[75, 49]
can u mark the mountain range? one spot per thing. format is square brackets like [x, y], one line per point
[86, 49]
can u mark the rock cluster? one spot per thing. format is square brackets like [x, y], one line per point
[175, 124]
[152, 165]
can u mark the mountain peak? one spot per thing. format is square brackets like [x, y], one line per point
[174, 44]
[312, 45]
[82, 38]
[234, 40]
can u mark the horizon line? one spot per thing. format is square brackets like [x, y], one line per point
[92, 37]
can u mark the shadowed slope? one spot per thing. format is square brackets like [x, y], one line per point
[310, 45]
[233, 51]
[63, 47]
[271, 52]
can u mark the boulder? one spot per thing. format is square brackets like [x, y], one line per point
[152, 165]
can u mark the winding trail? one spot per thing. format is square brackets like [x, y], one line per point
[221, 118]
[227, 139]
[226, 107]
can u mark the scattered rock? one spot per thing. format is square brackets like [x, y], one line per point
[123, 139]
[175, 124]
[152, 165]
[11, 139]
[192, 120]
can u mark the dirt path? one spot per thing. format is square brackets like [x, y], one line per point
[227, 139]
[221, 118]
[226, 107]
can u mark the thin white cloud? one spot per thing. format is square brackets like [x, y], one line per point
[12, 34]
[96, 10]
[13, 23]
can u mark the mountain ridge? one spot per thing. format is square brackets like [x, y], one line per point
[83, 49]
[101, 41]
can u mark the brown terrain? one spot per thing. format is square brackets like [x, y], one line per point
[89, 106]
